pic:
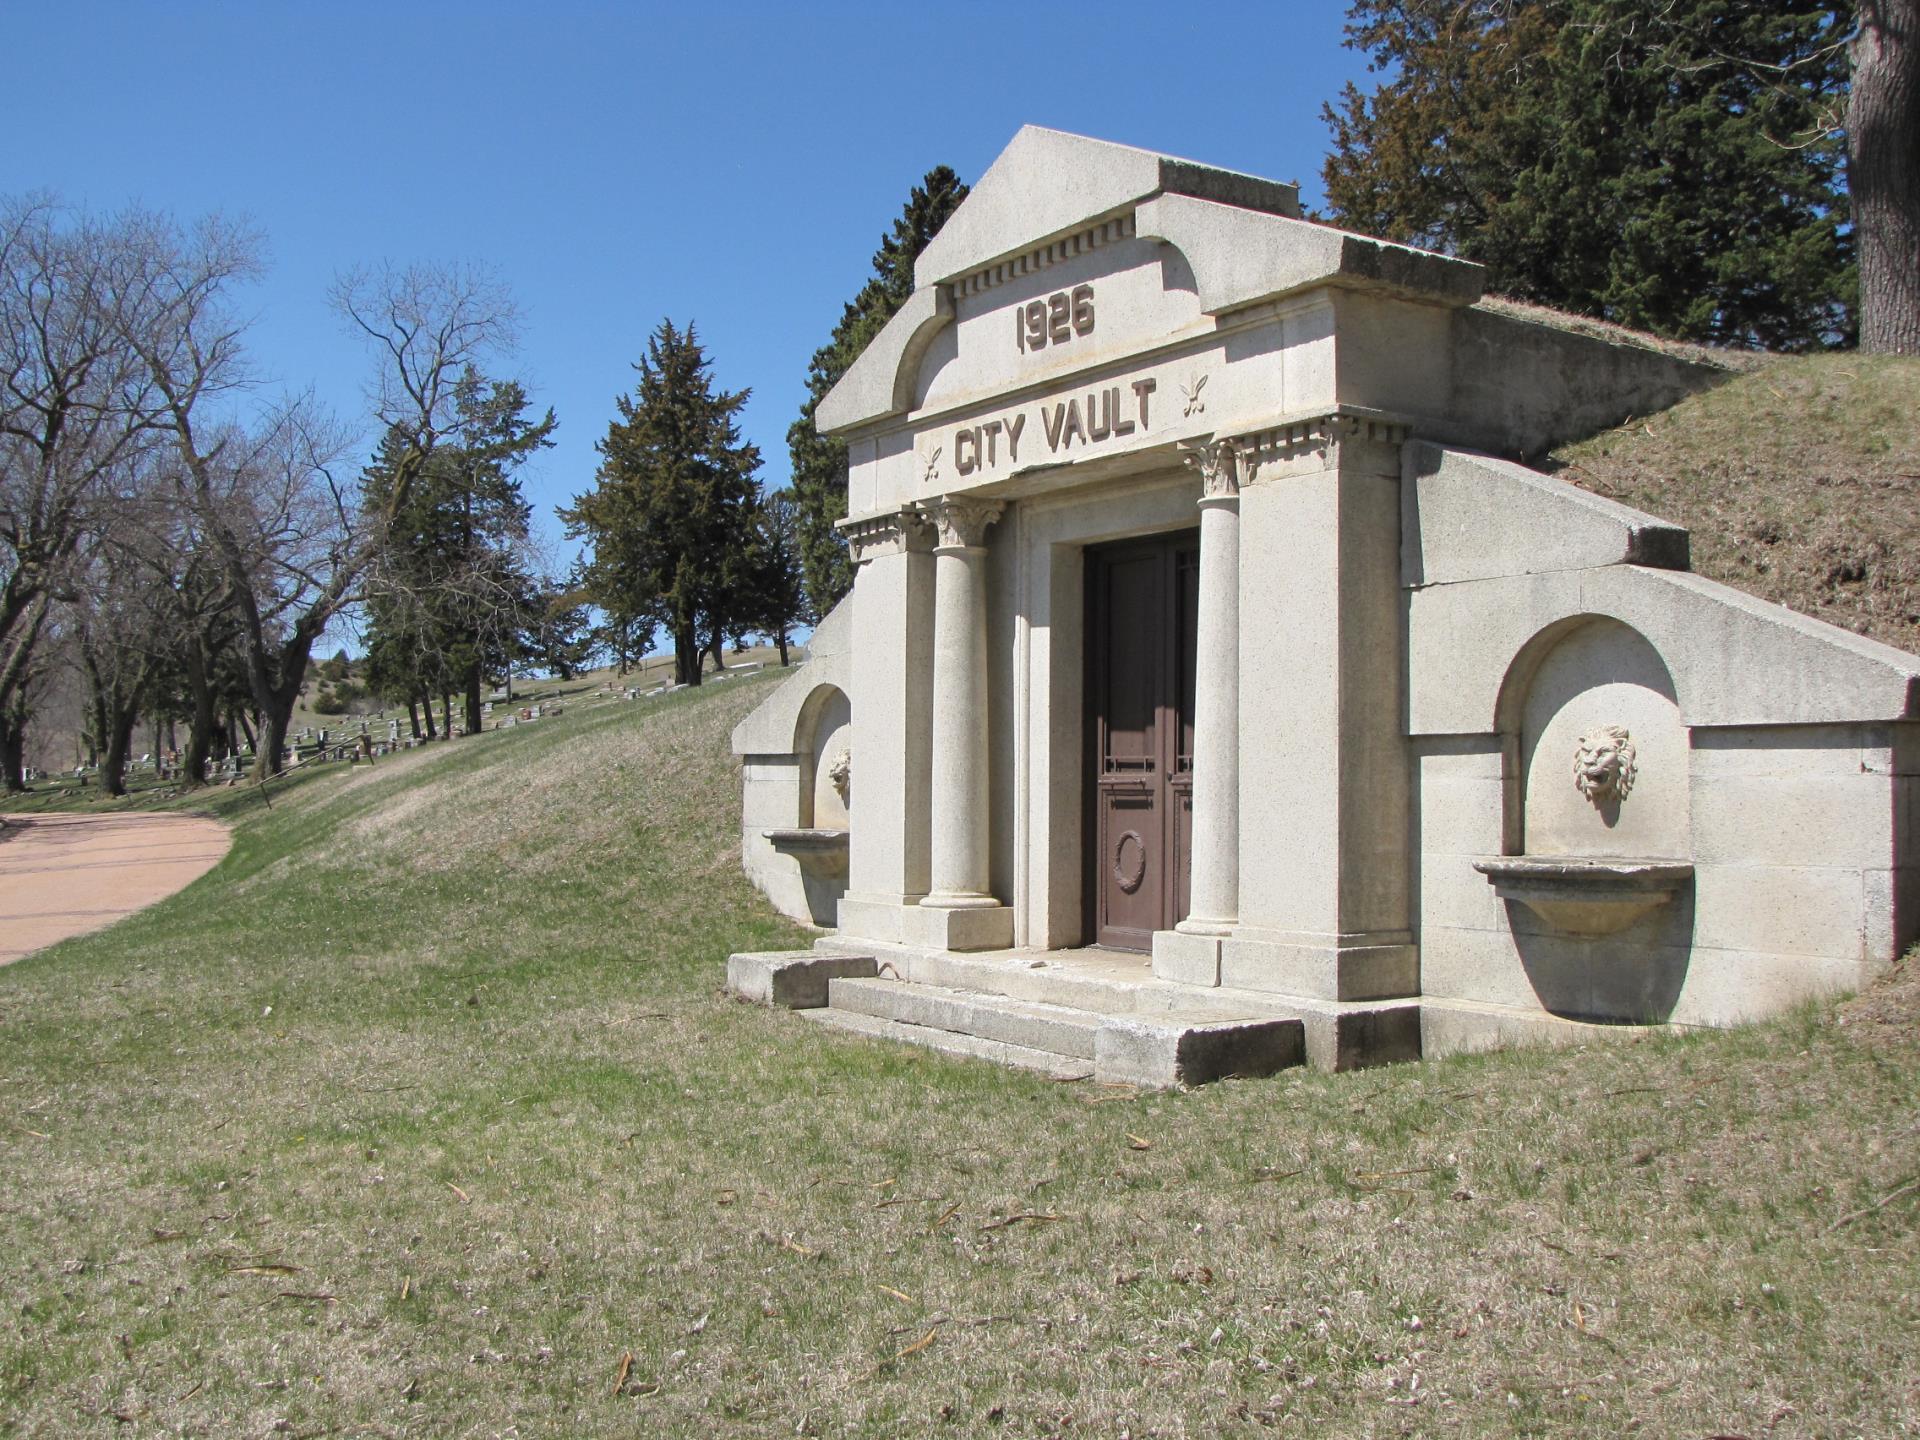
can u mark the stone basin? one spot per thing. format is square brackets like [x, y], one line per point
[1586, 895]
[821, 853]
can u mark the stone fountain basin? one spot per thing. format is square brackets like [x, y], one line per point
[1586, 895]
[820, 852]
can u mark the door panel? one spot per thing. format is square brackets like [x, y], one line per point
[1140, 630]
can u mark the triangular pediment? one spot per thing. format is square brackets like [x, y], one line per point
[1049, 183]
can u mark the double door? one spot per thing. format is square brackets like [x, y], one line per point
[1141, 604]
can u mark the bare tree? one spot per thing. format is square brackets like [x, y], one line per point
[76, 407]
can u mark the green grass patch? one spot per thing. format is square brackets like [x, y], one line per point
[424, 1114]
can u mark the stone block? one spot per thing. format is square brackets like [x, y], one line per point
[793, 979]
[1354, 1039]
[1187, 959]
[1790, 911]
[1320, 968]
[1814, 820]
[1472, 517]
[982, 928]
[1158, 1053]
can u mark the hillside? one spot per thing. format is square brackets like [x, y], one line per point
[1800, 483]
[424, 1114]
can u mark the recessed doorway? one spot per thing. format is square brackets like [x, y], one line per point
[1141, 604]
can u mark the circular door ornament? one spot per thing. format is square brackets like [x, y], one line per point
[1129, 861]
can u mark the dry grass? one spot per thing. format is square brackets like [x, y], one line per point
[1800, 483]
[424, 1115]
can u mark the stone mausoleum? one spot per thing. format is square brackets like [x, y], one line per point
[1220, 689]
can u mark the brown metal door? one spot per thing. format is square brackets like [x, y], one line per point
[1141, 600]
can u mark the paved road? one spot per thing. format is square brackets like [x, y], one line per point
[64, 875]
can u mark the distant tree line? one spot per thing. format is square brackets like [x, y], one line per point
[175, 538]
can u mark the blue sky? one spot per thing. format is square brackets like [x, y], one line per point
[733, 165]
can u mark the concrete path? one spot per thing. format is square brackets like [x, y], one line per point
[64, 875]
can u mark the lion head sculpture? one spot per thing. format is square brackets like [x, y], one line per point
[1603, 765]
[840, 772]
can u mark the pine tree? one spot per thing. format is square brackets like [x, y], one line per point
[820, 462]
[1675, 168]
[671, 518]
[450, 592]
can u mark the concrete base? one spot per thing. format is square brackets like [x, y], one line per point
[878, 917]
[1162, 1053]
[795, 979]
[1186, 959]
[1322, 967]
[999, 987]
[973, 927]
[1456, 1027]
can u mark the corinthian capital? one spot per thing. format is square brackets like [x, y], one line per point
[960, 521]
[1224, 465]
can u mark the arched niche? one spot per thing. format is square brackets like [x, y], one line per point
[1597, 835]
[823, 734]
[1597, 747]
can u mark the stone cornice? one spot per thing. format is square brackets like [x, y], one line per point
[1092, 238]
[890, 533]
[1315, 441]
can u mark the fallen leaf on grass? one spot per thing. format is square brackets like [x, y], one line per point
[896, 1294]
[322, 1298]
[1135, 1142]
[626, 1368]
[465, 1199]
[164, 1235]
[945, 1215]
[1015, 1219]
[922, 1343]
[1275, 1175]
[263, 1269]
[787, 1242]
[726, 1197]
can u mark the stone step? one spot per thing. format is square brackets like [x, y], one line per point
[1029, 1024]
[950, 1042]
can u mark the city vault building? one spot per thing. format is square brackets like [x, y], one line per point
[1216, 691]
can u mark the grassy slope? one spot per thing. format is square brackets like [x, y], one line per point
[448, 1038]
[1800, 482]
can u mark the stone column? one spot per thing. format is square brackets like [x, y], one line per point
[959, 799]
[1215, 884]
[1192, 954]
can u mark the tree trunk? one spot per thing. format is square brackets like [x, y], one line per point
[1883, 173]
[446, 715]
[473, 698]
[113, 769]
[244, 729]
[781, 640]
[13, 749]
[193, 766]
[413, 717]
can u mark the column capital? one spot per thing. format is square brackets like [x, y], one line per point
[1224, 465]
[890, 533]
[961, 521]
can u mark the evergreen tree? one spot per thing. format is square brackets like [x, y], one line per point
[1675, 168]
[672, 517]
[819, 481]
[778, 592]
[450, 592]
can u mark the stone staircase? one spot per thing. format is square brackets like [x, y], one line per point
[1090, 1014]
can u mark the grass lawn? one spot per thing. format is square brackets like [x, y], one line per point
[424, 1114]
